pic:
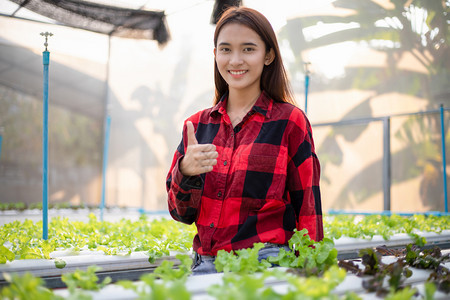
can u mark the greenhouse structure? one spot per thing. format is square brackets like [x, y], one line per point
[94, 96]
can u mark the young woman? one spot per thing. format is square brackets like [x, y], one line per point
[246, 169]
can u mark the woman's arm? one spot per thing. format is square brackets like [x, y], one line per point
[184, 193]
[184, 182]
[303, 177]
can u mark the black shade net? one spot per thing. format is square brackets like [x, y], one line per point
[110, 20]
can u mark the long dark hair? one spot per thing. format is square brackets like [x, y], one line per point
[274, 78]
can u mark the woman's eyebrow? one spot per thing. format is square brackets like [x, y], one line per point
[243, 44]
[249, 44]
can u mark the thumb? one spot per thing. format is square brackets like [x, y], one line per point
[191, 139]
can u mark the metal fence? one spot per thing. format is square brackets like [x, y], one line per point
[387, 153]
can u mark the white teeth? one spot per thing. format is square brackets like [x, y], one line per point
[237, 72]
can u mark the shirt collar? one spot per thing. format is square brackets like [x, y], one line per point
[263, 105]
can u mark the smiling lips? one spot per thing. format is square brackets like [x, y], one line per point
[237, 72]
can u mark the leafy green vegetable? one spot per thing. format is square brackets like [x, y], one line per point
[243, 286]
[158, 237]
[26, 287]
[165, 282]
[433, 260]
[244, 260]
[396, 272]
[86, 280]
[5, 255]
[59, 263]
[404, 294]
[366, 227]
[371, 260]
[314, 287]
[430, 289]
[313, 257]
[254, 287]
[167, 272]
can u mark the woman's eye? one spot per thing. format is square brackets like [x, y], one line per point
[248, 49]
[225, 49]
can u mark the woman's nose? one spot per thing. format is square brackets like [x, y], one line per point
[236, 59]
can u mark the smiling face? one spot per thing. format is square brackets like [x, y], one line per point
[240, 57]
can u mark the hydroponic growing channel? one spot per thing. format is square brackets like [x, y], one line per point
[363, 257]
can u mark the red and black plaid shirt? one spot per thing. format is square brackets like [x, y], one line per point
[265, 183]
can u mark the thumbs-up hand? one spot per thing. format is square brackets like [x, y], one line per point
[199, 158]
[191, 139]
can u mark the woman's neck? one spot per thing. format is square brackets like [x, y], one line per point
[239, 104]
[241, 101]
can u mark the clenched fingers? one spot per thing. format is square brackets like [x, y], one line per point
[199, 158]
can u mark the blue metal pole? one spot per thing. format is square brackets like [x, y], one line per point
[105, 163]
[306, 85]
[444, 163]
[46, 61]
[387, 163]
[306, 92]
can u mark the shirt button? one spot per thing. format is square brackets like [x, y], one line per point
[211, 225]
[219, 194]
[225, 163]
[198, 183]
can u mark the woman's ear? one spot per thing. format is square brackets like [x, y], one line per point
[214, 52]
[270, 56]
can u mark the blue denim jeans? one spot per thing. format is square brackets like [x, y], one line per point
[204, 264]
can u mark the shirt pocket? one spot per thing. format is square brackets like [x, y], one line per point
[266, 163]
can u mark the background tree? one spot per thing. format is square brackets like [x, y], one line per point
[415, 27]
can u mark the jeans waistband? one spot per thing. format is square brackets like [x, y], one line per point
[272, 245]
